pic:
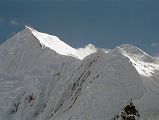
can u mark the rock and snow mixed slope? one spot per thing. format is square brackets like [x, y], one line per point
[42, 78]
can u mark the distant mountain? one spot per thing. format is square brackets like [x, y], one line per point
[43, 78]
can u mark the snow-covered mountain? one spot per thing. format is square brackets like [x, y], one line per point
[43, 78]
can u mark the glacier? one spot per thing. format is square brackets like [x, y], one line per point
[43, 78]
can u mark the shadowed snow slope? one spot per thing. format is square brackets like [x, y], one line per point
[41, 78]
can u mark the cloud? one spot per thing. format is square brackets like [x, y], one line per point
[14, 23]
[154, 44]
[87, 50]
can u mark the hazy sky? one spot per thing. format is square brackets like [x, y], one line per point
[105, 23]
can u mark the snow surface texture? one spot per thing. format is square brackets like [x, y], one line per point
[43, 78]
[56, 44]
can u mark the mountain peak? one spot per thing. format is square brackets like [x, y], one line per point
[137, 53]
[144, 63]
[29, 27]
[37, 83]
[52, 42]
[132, 49]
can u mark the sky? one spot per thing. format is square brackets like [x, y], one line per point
[104, 23]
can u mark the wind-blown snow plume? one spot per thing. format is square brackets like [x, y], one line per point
[87, 50]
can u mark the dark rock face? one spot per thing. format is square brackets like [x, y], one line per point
[129, 112]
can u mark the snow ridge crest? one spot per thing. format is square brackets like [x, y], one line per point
[53, 42]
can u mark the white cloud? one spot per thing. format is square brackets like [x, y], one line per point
[155, 44]
[87, 50]
[14, 23]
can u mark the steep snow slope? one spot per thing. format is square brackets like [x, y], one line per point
[144, 63]
[106, 82]
[98, 89]
[41, 81]
[148, 69]
[24, 52]
[27, 69]
[25, 96]
[53, 43]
